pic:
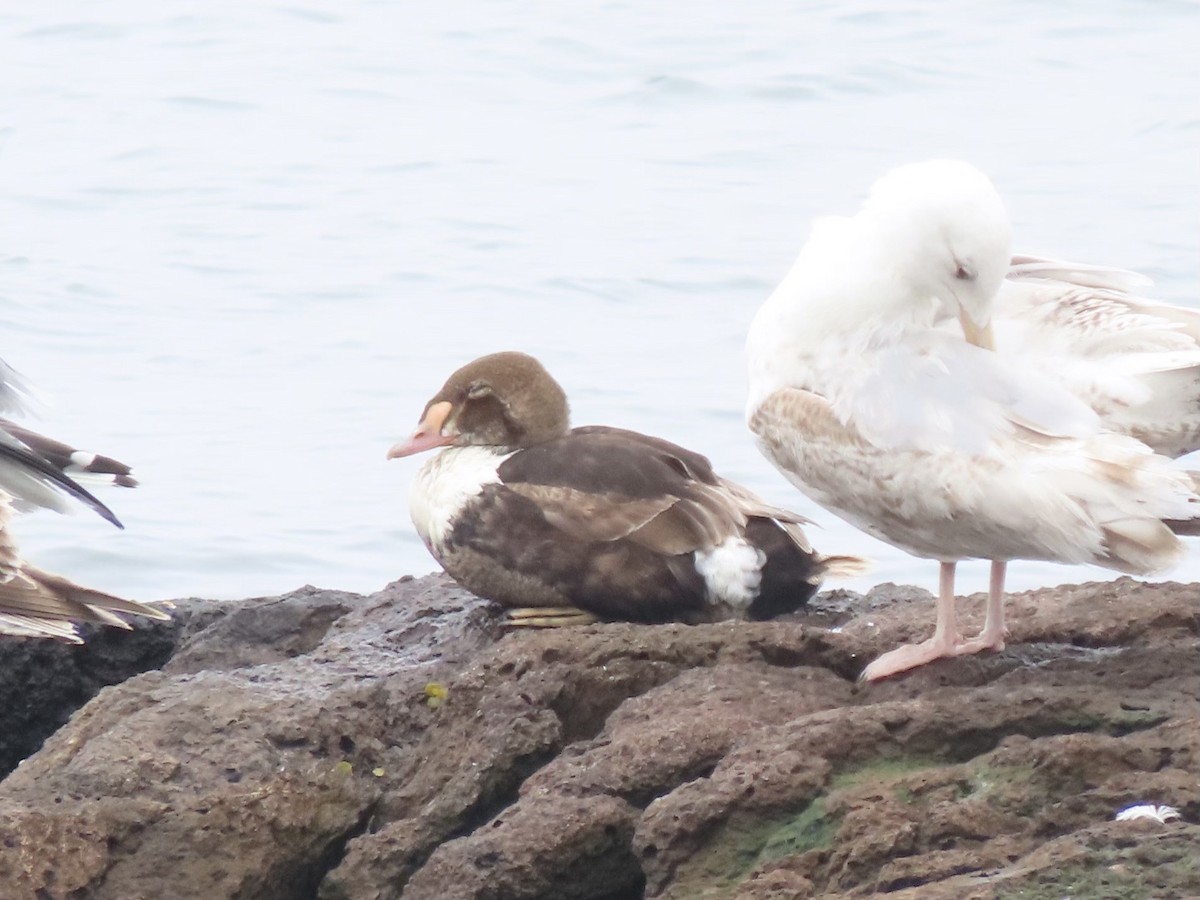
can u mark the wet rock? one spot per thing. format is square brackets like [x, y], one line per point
[245, 778]
[330, 745]
[42, 682]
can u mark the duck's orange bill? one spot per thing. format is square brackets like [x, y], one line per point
[428, 434]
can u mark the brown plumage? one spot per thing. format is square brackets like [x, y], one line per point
[524, 510]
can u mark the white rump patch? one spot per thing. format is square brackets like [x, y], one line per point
[445, 484]
[732, 572]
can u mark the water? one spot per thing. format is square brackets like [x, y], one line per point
[242, 243]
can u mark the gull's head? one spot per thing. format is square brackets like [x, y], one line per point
[950, 235]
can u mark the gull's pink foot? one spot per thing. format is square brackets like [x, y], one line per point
[946, 641]
[979, 644]
[910, 656]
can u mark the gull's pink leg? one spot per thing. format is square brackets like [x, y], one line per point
[944, 642]
[992, 636]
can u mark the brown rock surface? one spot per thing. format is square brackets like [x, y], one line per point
[328, 745]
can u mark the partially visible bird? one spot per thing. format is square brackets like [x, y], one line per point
[37, 471]
[878, 387]
[1134, 361]
[567, 526]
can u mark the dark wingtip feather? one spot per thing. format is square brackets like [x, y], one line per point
[86, 497]
[54, 462]
[51, 475]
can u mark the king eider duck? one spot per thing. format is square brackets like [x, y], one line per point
[881, 385]
[37, 471]
[573, 525]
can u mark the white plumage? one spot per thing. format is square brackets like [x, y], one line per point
[446, 483]
[906, 378]
[732, 573]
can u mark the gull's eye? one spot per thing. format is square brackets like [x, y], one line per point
[964, 272]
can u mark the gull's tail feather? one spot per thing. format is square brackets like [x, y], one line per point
[1187, 527]
[34, 603]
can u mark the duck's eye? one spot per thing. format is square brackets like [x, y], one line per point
[479, 389]
[964, 272]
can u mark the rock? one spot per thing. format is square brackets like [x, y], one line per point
[42, 682]
[329, 745]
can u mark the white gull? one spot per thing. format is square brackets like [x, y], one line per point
[877, 387]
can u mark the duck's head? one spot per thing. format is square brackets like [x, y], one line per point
[505, 400]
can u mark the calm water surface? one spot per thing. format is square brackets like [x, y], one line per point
[242, 243]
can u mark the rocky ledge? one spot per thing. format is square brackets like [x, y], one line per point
[399, 745]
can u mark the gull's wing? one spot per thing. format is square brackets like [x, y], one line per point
[1135, 361]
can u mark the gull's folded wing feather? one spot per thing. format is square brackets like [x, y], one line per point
[1136, 362]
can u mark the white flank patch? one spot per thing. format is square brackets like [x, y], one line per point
[732, 571]
[82, 458]
[445, 484]
[1162, 814]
